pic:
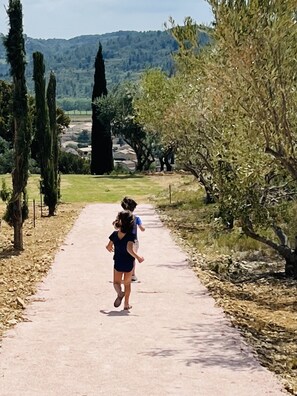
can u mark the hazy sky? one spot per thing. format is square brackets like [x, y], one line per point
[71, 18]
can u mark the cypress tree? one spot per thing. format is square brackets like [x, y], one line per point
[17, 209]
[101, 159]
[43, 134]
[52, 109]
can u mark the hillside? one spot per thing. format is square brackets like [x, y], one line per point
[126, 55]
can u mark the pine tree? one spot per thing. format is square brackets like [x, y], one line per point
[17, 209]
[43, 135]
[101, 159]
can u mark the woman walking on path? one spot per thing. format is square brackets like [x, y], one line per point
[130, 204]
[121, 242]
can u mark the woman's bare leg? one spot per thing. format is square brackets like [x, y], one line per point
[127, 284]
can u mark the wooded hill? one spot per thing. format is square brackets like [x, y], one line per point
[126, 54]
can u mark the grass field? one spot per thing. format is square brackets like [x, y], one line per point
[107, 189]
[80, 117]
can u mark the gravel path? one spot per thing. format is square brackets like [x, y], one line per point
[174, 341]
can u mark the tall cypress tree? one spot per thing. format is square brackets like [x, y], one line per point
[17, 209]
[52, 110]
[101, 159]
[43, 134]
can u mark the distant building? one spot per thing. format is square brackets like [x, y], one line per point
[71, 150]
[85, 152]
[69, 143]
[124, 156]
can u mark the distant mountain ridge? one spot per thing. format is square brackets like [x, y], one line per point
[126, 54]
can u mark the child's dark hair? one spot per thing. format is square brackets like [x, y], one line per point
[128, 204]
[125, 221]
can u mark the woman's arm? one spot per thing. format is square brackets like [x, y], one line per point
[109, 246]
[130, 250]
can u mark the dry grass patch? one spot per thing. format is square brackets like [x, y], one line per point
[21, 273]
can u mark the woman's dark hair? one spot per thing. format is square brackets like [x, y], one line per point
[128, 204]
[125, 221]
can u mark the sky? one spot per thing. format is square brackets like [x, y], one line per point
[70, 18]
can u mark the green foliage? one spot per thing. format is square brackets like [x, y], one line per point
[120, 169]
[99, 88]
[84, 137]
[42, 134]
[54, 155]
[6, 119]
[73, 164]
[46, 133]
[127, 55]
[15, 50]
[117, 109]
[6, 161]
[5, 192]
[101, 156]
[63, 120]
[230, 111]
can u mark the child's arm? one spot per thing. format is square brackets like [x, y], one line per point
[130, 249]
[109, 246]
[139, 224]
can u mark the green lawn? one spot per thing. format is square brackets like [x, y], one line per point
[87, 188]
[109, 189]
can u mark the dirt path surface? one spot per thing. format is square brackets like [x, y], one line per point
[174, 341]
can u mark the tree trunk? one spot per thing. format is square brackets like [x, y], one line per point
[288, 254]
[143, 153]
[291, 265]
[18, 225]
[210, 197]
[51, 210]
[168, 165]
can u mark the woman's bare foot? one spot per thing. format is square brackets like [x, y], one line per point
[128, 307]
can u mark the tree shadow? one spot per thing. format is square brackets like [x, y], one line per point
[175, 265]
[146, 217]
[9, 252]
[116, 177]
[210, 344]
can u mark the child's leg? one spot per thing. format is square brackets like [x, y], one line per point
[117, 284]
[127, 284]
[117, 281]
